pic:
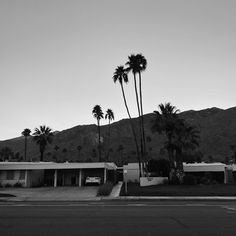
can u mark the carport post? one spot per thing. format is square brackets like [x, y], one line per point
[80, 177]
[55, 178]
[105, 175]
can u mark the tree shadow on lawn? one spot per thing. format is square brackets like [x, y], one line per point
[6, 195]
[180, 190]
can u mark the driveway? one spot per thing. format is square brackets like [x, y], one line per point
[52, 194]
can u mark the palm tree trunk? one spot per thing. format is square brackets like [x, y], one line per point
[142, 118]
[139, 118]
[109, 137]
[25, 146]
[132, 128]
[99, 143]
[41, 153]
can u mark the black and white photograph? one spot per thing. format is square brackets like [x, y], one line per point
[118, 117]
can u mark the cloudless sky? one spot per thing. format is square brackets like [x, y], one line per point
[57, 58]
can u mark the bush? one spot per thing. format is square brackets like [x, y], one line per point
[8, 185]
[204, 180]
[18, 185]
[189, 180]
[105, 189]
[1, 185]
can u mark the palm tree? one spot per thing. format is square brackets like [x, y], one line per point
[110, 116]
[186, 138]
[137, 64]
[26, 133]
[165, 121]
[42, 136]
[120, 75]
[98, 114]
[142, 62]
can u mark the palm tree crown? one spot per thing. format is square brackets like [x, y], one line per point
[26, 132]
[109, 115]
[42, 137]
[120, 74]
[97, 112]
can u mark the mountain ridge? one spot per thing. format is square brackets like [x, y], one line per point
[217, 130]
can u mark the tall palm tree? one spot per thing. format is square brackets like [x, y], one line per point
[120, 75]
[134, 66]
[42, 136]
[26, 133]
[142, 62]
[110, 116]
[98, 114]
[165, 121]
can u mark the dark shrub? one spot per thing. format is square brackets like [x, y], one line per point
[8, 185]
[174, 180]
[18, 185]
[161, 167]
[105, 189]
[189, 180]
[204, 180]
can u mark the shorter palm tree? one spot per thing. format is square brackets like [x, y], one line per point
[26, 133]
[42, 136]
[110, 116]
[98, 114]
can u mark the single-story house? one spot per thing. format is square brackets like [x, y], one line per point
[32, 174]
[220, 171]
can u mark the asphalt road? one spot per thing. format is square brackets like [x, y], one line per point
[118, 218]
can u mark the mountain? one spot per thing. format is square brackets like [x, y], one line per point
[217, 130]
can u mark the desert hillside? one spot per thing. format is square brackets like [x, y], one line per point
[217, 129]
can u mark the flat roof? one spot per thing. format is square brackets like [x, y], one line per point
[204, 167]
[53, 165]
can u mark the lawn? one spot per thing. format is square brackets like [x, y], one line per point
[180, 190]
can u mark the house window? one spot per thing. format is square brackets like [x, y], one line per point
[22, 175]
[10, 174]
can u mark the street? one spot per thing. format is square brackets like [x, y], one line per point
[118, 218]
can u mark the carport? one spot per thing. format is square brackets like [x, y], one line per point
[55, 174]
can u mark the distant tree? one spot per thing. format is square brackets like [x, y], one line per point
[98, 114]
[56, 148]
[26, 133]
[94, 153]
[42, 136]
[79, 148]
[210, 158]
[6, 153]
[110, 116]
[120, 149]
[17, 156]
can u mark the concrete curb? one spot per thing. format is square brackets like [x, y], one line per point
[128, 198]
[229, 198]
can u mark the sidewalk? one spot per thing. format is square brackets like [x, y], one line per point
[89, 194]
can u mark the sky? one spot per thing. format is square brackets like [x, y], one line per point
[57, 58]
